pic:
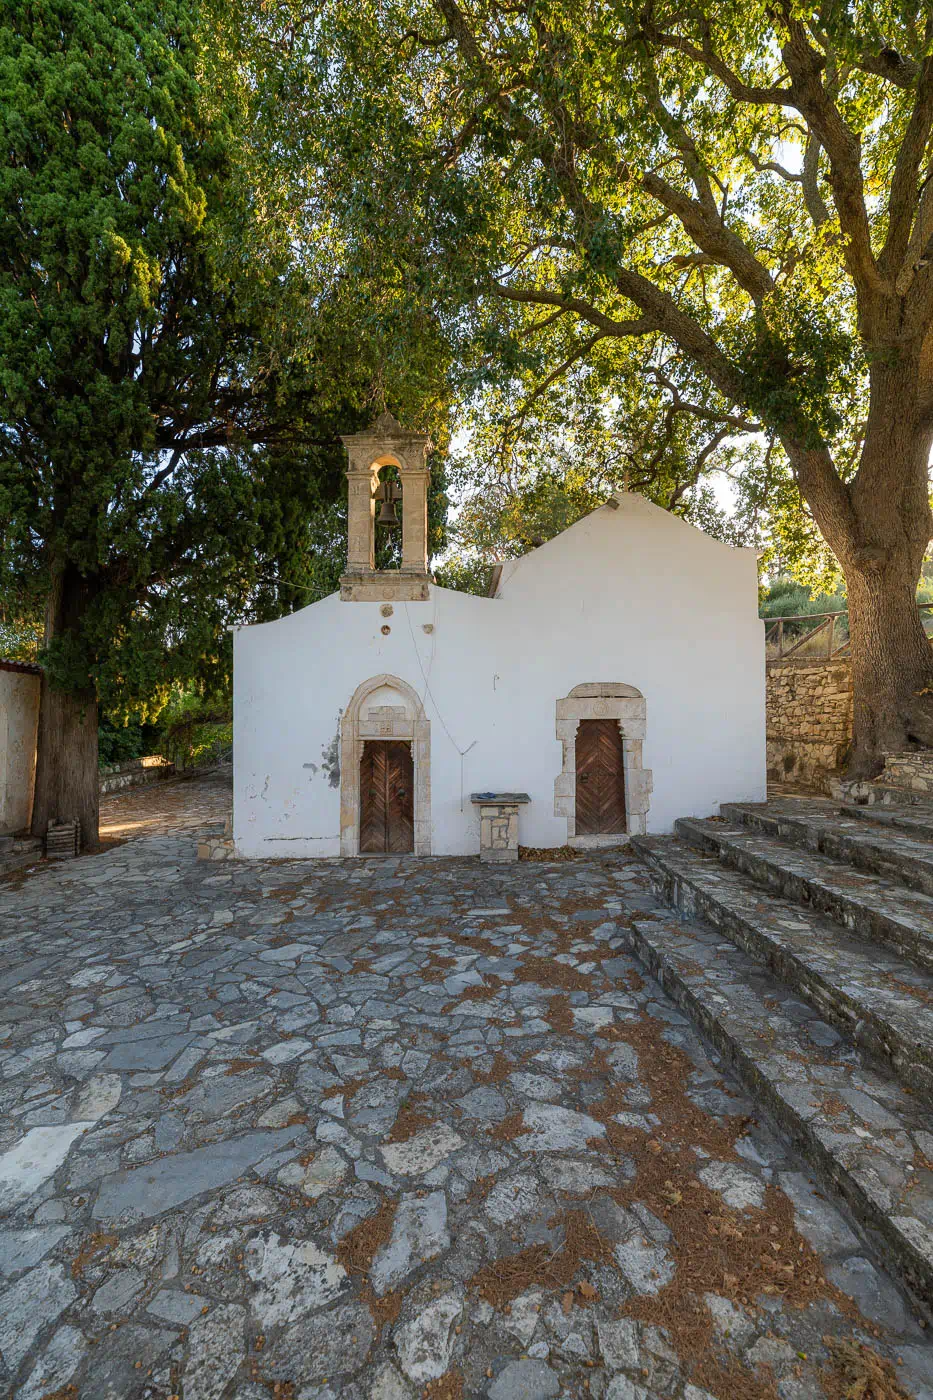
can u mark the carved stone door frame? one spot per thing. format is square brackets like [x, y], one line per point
[626, 705]
[402, 719]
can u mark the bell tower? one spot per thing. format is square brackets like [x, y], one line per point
[386, 444]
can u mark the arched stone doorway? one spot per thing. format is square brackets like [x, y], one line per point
[603, 700]
[384, 708]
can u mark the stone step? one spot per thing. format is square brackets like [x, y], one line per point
[861, 1132]
[914, 820]
[868, 906]
[913, 771]
[880, 1001]
[21, 851]
[820, 827]
[879, 792]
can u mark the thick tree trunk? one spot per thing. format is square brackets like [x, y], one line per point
[892, 665]
[879, 527]
[66, 756]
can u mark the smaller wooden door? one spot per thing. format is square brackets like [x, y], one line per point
[600, 800]
[387, 798]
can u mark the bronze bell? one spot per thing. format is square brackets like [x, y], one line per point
[388, 492]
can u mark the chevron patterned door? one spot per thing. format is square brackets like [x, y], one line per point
[387, 809]
[600, 800]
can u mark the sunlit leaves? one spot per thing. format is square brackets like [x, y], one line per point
[554, 146]
[181, 342]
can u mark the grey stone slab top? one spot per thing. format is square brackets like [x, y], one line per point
[511, 799]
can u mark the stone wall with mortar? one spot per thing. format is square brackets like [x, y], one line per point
[809, 720]
[135, 772]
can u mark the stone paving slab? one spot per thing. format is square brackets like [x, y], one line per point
[898, 855]
[427, 1128]
[864, 989]
[187, 802]
[871, 907]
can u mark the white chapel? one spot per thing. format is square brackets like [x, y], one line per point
[613, 681]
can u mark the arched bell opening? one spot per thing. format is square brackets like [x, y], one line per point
[388, 515]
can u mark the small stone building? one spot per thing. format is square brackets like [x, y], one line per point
[20, 690]
[615, 677]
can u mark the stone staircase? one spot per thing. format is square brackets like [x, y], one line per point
[802, 944]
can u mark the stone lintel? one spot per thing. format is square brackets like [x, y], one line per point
[385, 586]
[629, 712]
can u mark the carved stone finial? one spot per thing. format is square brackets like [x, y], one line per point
[387, 425]
[387, 429]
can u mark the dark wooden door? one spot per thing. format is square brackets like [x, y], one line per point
[600, 803]
[387, 799]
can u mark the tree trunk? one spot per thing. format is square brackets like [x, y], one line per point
[879, 527]
[892, 665]
[66, 755]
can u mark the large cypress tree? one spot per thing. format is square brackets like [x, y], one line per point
[171, 383]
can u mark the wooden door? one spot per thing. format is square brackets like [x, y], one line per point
[387, 805]
[600, 801]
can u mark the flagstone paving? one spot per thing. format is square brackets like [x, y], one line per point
[393, 1128]
[185, 803]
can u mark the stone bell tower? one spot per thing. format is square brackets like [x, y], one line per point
[386, 444]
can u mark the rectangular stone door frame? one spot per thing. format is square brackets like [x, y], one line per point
[626, 705]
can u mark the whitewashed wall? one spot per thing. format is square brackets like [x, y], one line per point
[19, 721]
[630, 595]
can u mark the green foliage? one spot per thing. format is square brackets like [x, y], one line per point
[175, 368]
[194, 727]
[632, 219]
[118, 742]
[785, 597]
[20, 636]
[797, 362]
[573, 452]
[465, 573]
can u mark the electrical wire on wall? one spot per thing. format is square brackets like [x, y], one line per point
[425, 676]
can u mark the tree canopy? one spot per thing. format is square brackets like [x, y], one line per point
[730, 201]
[173, 376]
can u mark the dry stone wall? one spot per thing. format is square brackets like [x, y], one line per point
[809, 726]
[134, 773]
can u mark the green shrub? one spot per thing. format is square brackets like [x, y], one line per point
[118, 742]
[195, 729]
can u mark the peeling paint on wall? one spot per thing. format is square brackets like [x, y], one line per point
[330, 757]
